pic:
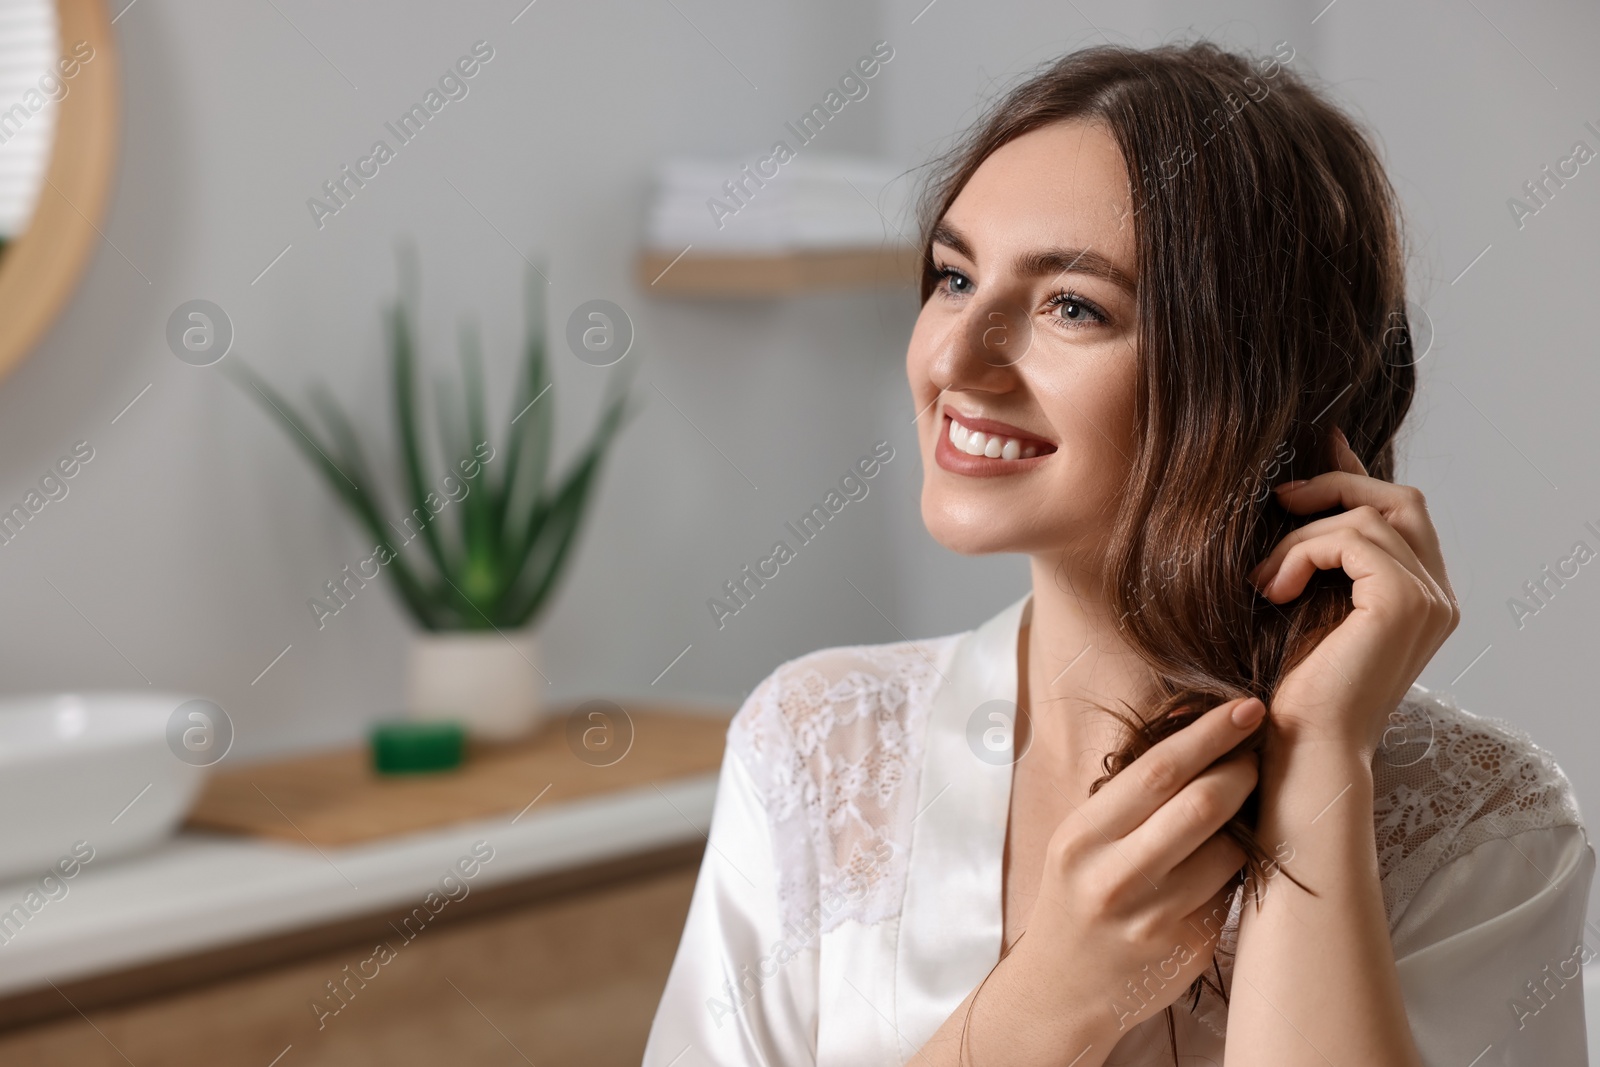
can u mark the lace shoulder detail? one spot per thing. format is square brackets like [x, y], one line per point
[834, 742]
[1445, 781]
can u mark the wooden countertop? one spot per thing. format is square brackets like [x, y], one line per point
[336, 798]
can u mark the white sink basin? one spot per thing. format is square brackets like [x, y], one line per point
[90, 767]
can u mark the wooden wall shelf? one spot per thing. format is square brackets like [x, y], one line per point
[750, 276]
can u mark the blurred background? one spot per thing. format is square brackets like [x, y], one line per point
[185, 557]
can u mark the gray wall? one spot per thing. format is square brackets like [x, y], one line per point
[188, 547]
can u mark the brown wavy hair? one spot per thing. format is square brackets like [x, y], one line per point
[1271, 310]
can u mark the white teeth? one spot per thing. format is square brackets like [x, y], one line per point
[976, 443]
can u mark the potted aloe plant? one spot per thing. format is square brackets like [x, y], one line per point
[495, 528]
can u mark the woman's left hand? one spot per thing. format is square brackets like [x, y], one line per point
[1403, 610]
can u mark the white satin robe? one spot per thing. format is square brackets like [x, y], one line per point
[850, 894]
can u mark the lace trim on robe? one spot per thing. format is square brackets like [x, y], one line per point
[834, 739]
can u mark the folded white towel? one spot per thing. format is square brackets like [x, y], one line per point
[816, 200]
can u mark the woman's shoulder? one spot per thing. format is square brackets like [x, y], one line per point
[840, 703]
[833, 743]
[1446, 780]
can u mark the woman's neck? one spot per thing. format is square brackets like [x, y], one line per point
[1073, 660]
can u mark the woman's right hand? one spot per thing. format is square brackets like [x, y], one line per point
[1133, 896]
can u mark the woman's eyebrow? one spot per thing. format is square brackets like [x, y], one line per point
[1043, 261]
[946, 234]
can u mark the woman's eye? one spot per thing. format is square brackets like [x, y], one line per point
[953, 281]
[1071, 308]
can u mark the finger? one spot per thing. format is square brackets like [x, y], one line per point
[1156, 777]
[1379, 579]
[1368, 520]
[1402, 506]
[1184, 823]
[1345, 456]
[1194, 914]
[1202, 927]
[1202, 876]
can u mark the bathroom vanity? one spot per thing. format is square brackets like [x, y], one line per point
[541, 933]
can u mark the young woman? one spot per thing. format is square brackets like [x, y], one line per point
[1183, 802]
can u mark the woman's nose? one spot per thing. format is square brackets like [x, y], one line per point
[983, 347]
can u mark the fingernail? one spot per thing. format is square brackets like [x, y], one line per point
[1287, 486]
[1339, 433]
[1248, 712]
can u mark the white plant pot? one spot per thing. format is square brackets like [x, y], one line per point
[485, 680]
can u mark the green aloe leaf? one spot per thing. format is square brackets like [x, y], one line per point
[553, 528]
[481, 573]
[405, 406]
[354, 459]
[360, 501]
[533, 428]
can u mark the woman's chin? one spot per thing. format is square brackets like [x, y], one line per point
[966, 530]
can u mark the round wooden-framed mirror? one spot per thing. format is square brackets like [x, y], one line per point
[58, 118]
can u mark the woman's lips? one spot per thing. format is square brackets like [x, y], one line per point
[957, 441]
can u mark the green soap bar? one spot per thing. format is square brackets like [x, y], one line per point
[405, 747]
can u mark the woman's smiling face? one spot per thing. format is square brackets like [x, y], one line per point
[1028, 339]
